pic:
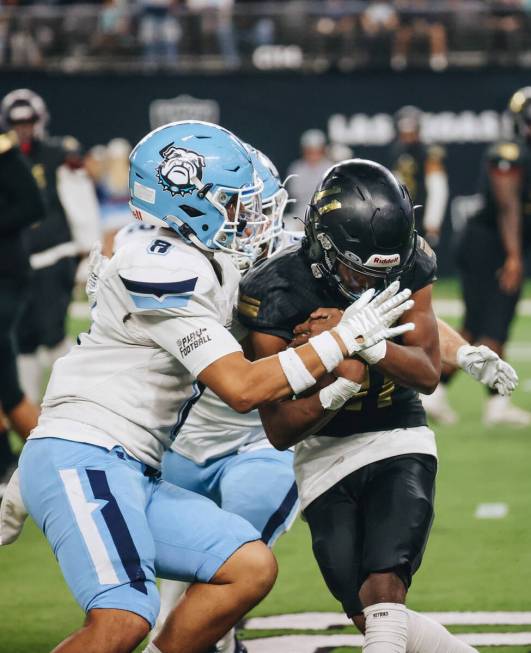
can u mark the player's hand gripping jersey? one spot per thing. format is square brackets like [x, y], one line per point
[161, 307]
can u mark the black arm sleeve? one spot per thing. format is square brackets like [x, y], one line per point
[21, 203]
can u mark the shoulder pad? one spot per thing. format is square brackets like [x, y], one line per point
[157, 275]
[137, 230]
[277, 295]
[7, 142]
[424, 270]
[260, 284]
[424, 246]
[505, 155]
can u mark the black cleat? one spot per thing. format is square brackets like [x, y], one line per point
[239, 646]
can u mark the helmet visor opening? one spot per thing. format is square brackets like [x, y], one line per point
[355, 281]
[244, 222]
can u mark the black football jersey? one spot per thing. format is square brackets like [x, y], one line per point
[44, 158]
[282, 292]
[505, 156]
[21, 205]
[408, 162]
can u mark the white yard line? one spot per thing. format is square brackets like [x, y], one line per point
[519, 351]
[310, 643]
[325, 620]
[498, 510]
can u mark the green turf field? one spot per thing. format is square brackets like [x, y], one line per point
[470, 564]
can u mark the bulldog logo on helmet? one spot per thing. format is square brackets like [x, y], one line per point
[179, 169]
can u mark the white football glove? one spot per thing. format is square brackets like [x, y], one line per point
[368, 321]
[13, 513]
[484, 365]
[96, 267]
[336, 395]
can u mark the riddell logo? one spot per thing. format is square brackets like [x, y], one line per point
[382, 260]
[380, 614]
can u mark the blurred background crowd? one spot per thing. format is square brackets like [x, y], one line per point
[192, 35]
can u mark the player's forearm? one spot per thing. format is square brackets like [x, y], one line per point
[267, 382]
[244, 385]
[410, 367]
[437, 198]
[510, 230]
[288, 422]
[449, 341]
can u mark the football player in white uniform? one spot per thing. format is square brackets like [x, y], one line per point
[226, 456]
[89, 473]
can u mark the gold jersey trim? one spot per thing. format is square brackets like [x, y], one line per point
[249, 306]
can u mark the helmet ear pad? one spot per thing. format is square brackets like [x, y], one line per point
[312, 245]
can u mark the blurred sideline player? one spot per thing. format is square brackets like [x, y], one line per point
[366, 479]
[21, 205]
[89, 471]
[305, 173]
[421, 169]
[108, 166]
[53, 247]
[491, 257]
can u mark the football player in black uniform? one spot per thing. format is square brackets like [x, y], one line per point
[492, 251]
[53, 254]
[421, 169]
[366, 475]
[20, 206]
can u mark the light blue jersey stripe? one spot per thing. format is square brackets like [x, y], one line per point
[168, 301]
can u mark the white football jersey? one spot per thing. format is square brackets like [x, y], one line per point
[135, 230]
[213, 429]
[160, 320]
[321, 461]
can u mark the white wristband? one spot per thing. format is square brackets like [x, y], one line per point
[348, 338]
[295, 370]
[374, 354]
[335, 395]
[328, 350]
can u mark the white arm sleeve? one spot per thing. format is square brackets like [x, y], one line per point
[195, 342]
[78, 198]
[436, 199]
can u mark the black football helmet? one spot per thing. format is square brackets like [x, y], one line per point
[361, 216]
[520, 112]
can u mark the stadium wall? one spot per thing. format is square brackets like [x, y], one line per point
[463, 112]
